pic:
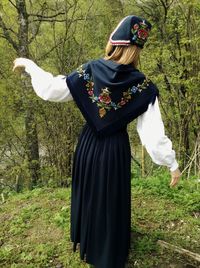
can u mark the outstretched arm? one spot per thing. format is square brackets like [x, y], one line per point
[45, 85]
[151, 130]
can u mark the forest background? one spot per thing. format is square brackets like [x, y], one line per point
[38, 138]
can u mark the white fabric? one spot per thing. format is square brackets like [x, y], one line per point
[152, 135]
[149, 125]
[45, 85]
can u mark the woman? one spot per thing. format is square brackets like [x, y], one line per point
[110, 92]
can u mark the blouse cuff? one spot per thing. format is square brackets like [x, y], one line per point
[174, 166]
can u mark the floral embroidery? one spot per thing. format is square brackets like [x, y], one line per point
[140, 33]
[104, 101]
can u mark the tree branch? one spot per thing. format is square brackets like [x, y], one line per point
[49, 20]
[12, 4]
[48, 52]
[182, 251]
[47, 17]
[59, 20]
[7, 35]
[39, 24]
[35, 33]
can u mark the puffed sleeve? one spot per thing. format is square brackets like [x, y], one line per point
[151, 130]
[47, 86]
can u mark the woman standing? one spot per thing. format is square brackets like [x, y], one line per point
[110, 92]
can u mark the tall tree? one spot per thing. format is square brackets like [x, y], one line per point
[174, 58]
[21, 46]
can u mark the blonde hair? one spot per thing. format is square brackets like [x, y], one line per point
[123, 54]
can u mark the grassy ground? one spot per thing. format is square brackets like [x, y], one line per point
[35, 226]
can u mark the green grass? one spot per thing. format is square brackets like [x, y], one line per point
[35, 226]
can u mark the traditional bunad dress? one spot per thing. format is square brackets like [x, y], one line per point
[109, 95]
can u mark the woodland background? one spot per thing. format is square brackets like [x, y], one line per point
[38, 138]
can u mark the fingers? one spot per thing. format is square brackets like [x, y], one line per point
[174, 181]
[19, 63]
[175, 176]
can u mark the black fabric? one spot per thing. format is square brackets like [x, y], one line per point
[118, 78]
[100, 199]
[101, 204]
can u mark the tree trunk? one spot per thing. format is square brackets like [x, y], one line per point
[32, 146]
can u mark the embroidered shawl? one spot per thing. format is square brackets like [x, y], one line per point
[110, 95]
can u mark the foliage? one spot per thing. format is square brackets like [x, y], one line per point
[61, 35]
[35, 227]
[186, 193]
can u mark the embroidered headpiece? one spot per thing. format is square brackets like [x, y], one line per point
[131, 30]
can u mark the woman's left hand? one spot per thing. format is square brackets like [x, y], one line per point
[175, 177]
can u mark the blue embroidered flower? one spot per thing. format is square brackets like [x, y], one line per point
[134, 37]
[86, 76]
[134, 89]
[114, 105]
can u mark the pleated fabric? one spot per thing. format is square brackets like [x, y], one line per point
[101, 198]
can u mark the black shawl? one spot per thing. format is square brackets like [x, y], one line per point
[110, 95]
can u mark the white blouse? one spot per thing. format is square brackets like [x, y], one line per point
[149, 125]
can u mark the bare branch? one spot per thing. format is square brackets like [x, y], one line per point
[47, 17]
[60, 20]
[38, 25]
[49, 20]
[48, 52]
[7, 35]
[35, 33]
[11, 30]
[179, 250]
[12, 4]
[2, 36]
[83, 29]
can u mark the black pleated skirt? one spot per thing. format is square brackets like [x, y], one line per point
[100, 200]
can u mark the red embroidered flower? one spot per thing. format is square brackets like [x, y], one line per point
[122, 102]
[90, 92]
[105, 98]
[143, 34]
[135, 26]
